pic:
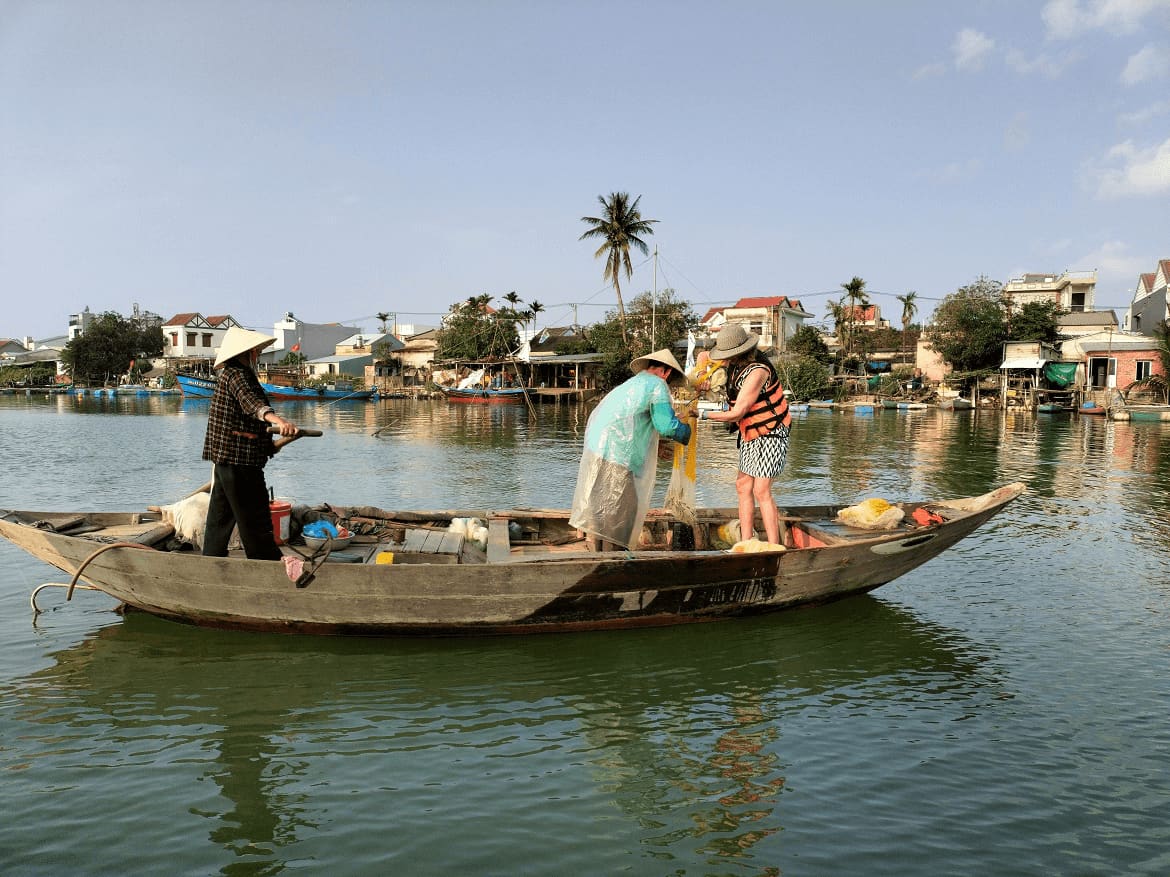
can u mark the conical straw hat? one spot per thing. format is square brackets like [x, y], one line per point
[660, 357]
[238, 341]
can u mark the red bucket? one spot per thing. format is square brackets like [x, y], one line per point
[281, 514]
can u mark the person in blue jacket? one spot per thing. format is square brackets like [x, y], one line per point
[616, 477]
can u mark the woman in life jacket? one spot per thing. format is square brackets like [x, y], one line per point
[760, 414]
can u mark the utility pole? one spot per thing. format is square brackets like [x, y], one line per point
[654, 304]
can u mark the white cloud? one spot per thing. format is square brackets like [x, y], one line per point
[1045, 65]
[1066, 19]
[971, 48]
[1116, 266]
[929, 71]
[955, 172]
[1145, 114]
[1018, 133]
[1129, 170]
[1151, 62]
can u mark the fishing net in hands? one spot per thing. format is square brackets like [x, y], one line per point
[680, 493]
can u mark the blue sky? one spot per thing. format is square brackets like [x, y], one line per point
[337, 159]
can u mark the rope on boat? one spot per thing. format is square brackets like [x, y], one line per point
[73, 583]
[104, 548]
[312, 561]
[37, 610]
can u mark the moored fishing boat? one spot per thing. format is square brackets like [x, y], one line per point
[203, 386]
[195, 385]
[483, 394]
[336, 392]
[1143, 413]
[955, 403]
[484, 386]
[414, 572]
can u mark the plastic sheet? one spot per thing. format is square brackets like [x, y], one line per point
[616, 477]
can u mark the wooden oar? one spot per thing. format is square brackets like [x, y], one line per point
[278, 444]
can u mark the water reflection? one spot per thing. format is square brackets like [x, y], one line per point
[683, 730]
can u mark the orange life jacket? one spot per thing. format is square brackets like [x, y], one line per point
[770, 409]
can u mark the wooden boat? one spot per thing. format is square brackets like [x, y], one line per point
[955, 403]
[1052, 408]
[1144, 413]
[337, 392]
[1093, 410]
[483, 394]
[203, 386]
[407, 573]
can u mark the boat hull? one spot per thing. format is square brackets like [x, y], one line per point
[484, 396]
[196, 386]
[200, 387]
[1143, 413]
[956, 404]
[315, 394]
[510, 591]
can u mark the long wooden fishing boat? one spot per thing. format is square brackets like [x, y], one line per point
[203, 386]
[411, 572]
[484, 394]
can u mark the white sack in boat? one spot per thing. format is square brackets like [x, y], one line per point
[754, 546]
[872, 514]
[188, 517]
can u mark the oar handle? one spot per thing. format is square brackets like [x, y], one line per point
[275, 430]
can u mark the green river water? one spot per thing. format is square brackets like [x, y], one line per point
[1002, 710]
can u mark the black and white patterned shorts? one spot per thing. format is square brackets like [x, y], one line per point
[764, 457]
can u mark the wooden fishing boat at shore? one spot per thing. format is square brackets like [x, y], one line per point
[955, 403]
[413, 572]
[484, 394]
[203, 387]
[1143, 413]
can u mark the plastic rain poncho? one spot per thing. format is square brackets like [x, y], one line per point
[616, 477]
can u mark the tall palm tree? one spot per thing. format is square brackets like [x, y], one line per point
[512, 299]
[620, 225]
[909, 309]
[382, 316]
[534, 308]
[836, 310]
[857, 297]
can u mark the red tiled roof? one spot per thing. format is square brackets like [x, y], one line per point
[180, 319]
[710, 314]
[761, 301]
[769, 301]
[1146, 282]
[216, 320]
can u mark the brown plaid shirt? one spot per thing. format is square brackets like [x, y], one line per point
[236, 432]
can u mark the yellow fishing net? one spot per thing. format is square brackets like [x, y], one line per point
[680, 493]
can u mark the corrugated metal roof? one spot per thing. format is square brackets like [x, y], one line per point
[1024, 362]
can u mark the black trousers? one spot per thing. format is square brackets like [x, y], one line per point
[239, 497]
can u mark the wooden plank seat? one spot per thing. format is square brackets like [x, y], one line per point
[420, 545]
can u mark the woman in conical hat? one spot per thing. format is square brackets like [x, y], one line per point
[238, 445]
[616, 476]
[759, 415]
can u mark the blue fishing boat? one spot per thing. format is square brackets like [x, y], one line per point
[203, 386]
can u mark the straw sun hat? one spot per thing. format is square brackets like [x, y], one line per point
[660, 357]
[238, 341]
[733, 340]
